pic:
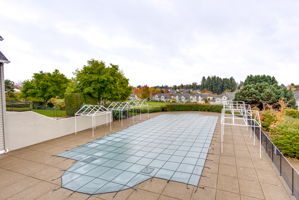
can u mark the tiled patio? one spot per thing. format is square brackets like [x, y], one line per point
[34, 172]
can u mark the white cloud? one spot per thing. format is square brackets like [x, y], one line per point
[19, 11]
[153, 42]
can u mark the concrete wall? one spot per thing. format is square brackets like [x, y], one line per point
[27, 128]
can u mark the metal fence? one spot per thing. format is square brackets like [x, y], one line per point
[286, 170]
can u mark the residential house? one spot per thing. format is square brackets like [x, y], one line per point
[194, 98]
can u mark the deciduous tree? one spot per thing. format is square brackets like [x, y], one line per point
[103, 83]
[45, 85]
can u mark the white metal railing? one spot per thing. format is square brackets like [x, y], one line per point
[93, 111]
[237, 113]
[128, 106]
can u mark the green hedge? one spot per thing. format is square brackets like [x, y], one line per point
[152, 109]
[194, 107]
[18, 109]
[292, 113]
[73, 102]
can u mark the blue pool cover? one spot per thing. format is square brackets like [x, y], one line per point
[171, 146]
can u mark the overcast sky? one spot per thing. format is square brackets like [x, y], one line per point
[153, 41]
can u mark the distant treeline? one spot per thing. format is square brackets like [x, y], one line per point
[214, 84]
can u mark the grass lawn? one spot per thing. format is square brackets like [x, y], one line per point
[51, 113]
[157, 104]
[17, 109]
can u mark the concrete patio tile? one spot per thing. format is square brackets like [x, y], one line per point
[228, 170]
[37, 156]
[240, 148]
[8, 177]
[268, 176]
[162, 197]
[215, 150]
[223, 195]
[178, 190]
[228, 160]
[144, 195]
[49, 174]
[228, 150]
[211, 167]
[40, 147]
[228, 183]
[57, 194]
[213, 158]
[17, 187]
[94, 198]
[24, 167]
[208, 179]
[248, 198]
[247, 173]
[244, 162]
[155, 185]
[78, 196]
[34, 192]
[121, 195]
[251, 188]
[242, 154]
[205, 193]
[56, 150]
[53, 160]
[261, 164]
[274, 192]
[65, 164]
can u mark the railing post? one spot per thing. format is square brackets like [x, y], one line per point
[280, 164]
[272, 151]
[267, 146]
[292, 181]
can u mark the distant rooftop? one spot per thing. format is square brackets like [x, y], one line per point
[3, 59]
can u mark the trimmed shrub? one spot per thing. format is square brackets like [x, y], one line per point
[285, 135]
[20, 106]
[194, 107]
[73, 102]
[18, 109]
[292, 113]
[37, 104]
[116, 114]
[152, 109]
[268, 118]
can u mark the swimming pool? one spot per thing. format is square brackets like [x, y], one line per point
[171, 146]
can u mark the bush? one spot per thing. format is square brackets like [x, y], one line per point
[73, 102]
[15, 105]
[116, 114]
[194, 107]
[268, 118]
[38, 104]
[18, 105]
[152, 109]
[285, 135]
[292, 113]
[58, 104]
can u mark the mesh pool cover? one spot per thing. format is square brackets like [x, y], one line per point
[171, 146]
